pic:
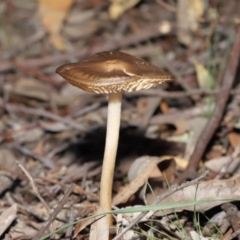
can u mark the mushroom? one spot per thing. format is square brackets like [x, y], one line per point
[112, 73]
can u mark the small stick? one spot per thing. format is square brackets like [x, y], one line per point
[47, 162]
[221, 102]
[157, 200]
[213, 123]
[36, 73]
[76, 189]
[130, 39]
[233, 235]
[54, 214]
[43, 113]
[35, 189]
[178, 94]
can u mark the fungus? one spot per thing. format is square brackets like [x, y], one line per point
[112, 73]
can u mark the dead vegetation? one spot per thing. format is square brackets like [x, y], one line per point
[53, 134]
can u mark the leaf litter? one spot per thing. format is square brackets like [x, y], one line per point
[57, 132]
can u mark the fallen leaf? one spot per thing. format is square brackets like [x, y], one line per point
[52, 14]
[83, 224]
[196, 236]
[234, 139]
[7, 217]
[181, 162]
[118, 7]
[217, 164]
[140, 179]
[7, 161]
[139, 165]
[28, 136]
[211, 190]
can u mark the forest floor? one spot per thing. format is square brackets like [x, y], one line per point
[177, 172]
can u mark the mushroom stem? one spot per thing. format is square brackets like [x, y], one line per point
[113, 125]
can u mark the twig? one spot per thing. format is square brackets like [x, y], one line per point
[233, 235]
[232, 216]
[157, 200]
[86, 109]
[163, 60]
[76, 189]
[178, 94]
[54, 214]
[36, 73]
[108, 46]
[59, 148]
[47, 162]
[175, 116]
[221, 102]
[35, 190]
[43, 113]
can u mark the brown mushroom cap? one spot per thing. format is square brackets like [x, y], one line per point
[112, 72]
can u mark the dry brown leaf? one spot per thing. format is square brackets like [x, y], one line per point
[83, 224]
[164, 107]
[217, 164]
[7, 217]
[234, 139]
[7, 161]
[28, 136]
[38, 149]
[21, 227]
[181, 162]
[118, 7]
[52, 14]
[139, 165]
[142, 176]
[212, 190]
[182, 126]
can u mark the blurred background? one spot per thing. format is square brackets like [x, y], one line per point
[57, 131]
